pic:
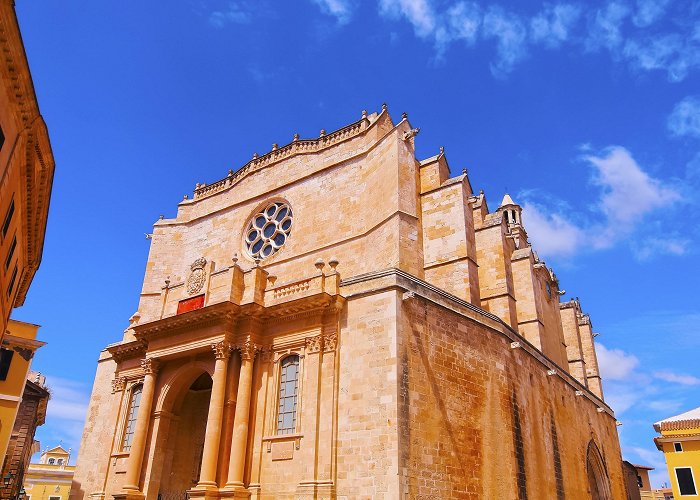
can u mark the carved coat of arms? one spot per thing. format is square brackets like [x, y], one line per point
[195, 281]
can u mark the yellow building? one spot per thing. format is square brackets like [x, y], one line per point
[26, 169]
[341, 319]
[51, 478]
[680, 442]
[18, 346]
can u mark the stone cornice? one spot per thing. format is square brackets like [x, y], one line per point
[296, 147]
[223, 312]
[14, 341]
[32, 153]
[393, 278]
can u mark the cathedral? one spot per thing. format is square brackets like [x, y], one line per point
[339, 319]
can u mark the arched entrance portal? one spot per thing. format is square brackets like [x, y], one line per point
[182, 457]
[598, 483]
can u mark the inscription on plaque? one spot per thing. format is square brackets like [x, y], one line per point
[283, 450]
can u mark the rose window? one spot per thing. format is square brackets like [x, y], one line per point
[269, 230]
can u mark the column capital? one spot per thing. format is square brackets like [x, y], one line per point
[330, 342]
[118, 384]
[150, 366]
[248, 349]
[314, 344]
[222, 350]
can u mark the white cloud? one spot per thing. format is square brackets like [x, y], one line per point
[652, 247]
[649, 11]
[670, 52]
[685, 118]
[511, 34]
[552, 26]
[605, 30]
[232, 14]
[463, 23]
[628, 194]
[551, 233]
[677, 378]
[342, 10]
[69, 399]
[615, 364]
[418, 12]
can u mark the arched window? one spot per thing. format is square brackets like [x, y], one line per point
[60, 461]
[131, 417]
[52, 461]
[289, 388]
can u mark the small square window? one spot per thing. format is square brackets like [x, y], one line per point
[678, 447]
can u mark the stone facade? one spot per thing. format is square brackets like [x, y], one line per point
[31, 414]
[337, 319]
[26, 169]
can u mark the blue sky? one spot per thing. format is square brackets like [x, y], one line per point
[588, 113]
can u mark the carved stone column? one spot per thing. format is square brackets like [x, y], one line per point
[239, 440]
[207, 477]
[143, 420]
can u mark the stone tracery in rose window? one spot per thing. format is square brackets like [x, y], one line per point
[268, 230]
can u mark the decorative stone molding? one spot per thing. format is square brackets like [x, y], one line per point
[314, 344]
[248, 349]
[330, 342]
[118, 384]
[150, 366]
[222, 350]
[197, 277]
[267, 355]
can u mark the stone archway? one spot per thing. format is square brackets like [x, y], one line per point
[598, 482]
[181, 415]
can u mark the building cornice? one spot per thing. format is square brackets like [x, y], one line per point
[294, 148]
[393, 278]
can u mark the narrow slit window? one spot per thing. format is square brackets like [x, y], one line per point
[8, 218]
[12, 282]
[677, 447]
[10, 252]
[131, 417]
[289, 388]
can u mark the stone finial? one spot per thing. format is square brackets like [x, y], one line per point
[323, 132]
[404, 116]
[185, 197]
[464, 171]
[333, 263]
[235, 259]
[384, 106]
[255, 156]
[296, 137]
[167, 281]
[196, 186]
[161, 217]
[364, 113]
[481, 192]
[230, 172]
[442, 150]
[274, 146]
[319, 264]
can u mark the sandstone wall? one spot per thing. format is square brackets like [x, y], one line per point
[478, 419]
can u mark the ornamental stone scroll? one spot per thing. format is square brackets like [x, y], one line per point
[118, 384]
[222, 350]
[150, 366]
